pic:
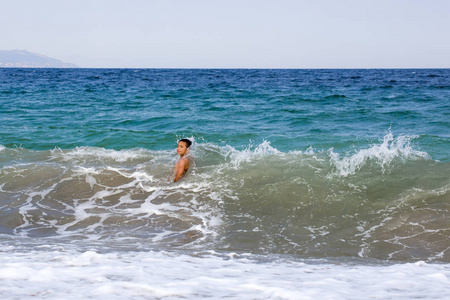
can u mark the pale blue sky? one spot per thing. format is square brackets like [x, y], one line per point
[232, 34]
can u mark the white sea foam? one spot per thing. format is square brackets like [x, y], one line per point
[383, 155]
[237, 157]
[61, 273]
[101, 153]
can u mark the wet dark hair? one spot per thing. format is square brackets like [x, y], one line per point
[188, 142]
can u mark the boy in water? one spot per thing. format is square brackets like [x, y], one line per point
[182, 165]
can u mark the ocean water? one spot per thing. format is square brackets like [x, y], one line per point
[305, 184]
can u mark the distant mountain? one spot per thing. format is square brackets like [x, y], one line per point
[26, 59]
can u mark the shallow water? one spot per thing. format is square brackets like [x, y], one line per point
[310, 175]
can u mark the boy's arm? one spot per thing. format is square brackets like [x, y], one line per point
[179, 170]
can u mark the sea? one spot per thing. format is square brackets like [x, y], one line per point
[304, 184]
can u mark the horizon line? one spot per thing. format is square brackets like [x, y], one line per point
[238, 68]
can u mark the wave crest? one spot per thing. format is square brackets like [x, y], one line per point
[383, 155]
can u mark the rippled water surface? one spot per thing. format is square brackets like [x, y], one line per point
[304, 167]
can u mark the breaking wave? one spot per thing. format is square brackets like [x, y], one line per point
[382, 201]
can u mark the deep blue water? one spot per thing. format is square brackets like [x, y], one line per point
[292, 109]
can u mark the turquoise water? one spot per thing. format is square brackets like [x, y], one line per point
[304, 184]
[292, 109]
[342, 164]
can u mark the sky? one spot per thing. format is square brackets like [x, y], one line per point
[232, 33]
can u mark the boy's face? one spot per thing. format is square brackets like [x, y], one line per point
[181, 149]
